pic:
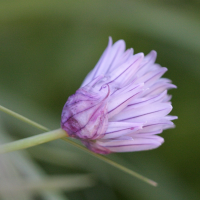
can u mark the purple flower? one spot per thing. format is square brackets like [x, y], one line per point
[122, 104]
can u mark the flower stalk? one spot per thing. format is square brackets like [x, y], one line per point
[112, 163]
[57, 134]
[22, 118]
[33, 141]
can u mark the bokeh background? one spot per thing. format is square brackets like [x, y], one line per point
[46, 50]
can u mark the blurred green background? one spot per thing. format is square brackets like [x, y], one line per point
[46, 50]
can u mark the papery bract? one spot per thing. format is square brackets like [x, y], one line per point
[84, 115]
[122, 104]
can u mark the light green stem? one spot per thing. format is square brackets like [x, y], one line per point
[53, 135]
[110, 162]
[22, 118]
[33, 141]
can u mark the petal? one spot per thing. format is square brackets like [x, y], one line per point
[123, 75]
[151, 77]
[159, 86]
[135, 103]
[154, 127]
[169, 117]
[85, 113]
[143, 114]
[111, 58]
[120, 59]
[167, 98]
[117, 129]
[119, 101]
[134, 144]
[93, 146]
[94, 72]
[147, 63]
[85, 123]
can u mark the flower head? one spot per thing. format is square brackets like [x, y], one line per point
[122, 104]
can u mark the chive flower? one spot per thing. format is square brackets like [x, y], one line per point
[122, 105]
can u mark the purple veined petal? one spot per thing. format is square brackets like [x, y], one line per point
[143, 114]
[124, 137]
[150, 58]
[147, 136]
[119, 101]
[86, 114]
[154, 127]
[84, 94]
[95, 72]
[79, 118]
[110, 56]
[85, 119]
[117, 129]
[147, 63]
[151, 77]
[90, 124]
[125, 57]
[93, 146]
[119, 56]
[167, 98]
[87, 79]
[129, 87]
[159, 86]
[79, 102]
[135, 144]
[93, 82]
[123, 74]
[98, 122]
[81, 97]
[84, 100]
[144, 134]
[135, 103]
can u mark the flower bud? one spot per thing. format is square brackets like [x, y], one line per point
[122, 104]
[84, 115]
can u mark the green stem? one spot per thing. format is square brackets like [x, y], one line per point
[33, 141]
[22, 118]
[110, 162]
[53, 135]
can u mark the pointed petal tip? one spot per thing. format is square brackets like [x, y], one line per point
[132, 51]
[171, 86]
[121, 43]
[140, 55]
[174, 117]
[161, 140]
[110, 41]
[153, 53]
[164, 69]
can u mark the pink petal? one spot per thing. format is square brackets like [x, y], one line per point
[135, 144]
[135, 103]
[117, 129]
[122, 75]
[151, 77]
[143, 114]
[147, 63]
[119, 101]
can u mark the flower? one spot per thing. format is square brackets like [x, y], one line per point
[122, 104]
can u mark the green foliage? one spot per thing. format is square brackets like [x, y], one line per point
[47, 48]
